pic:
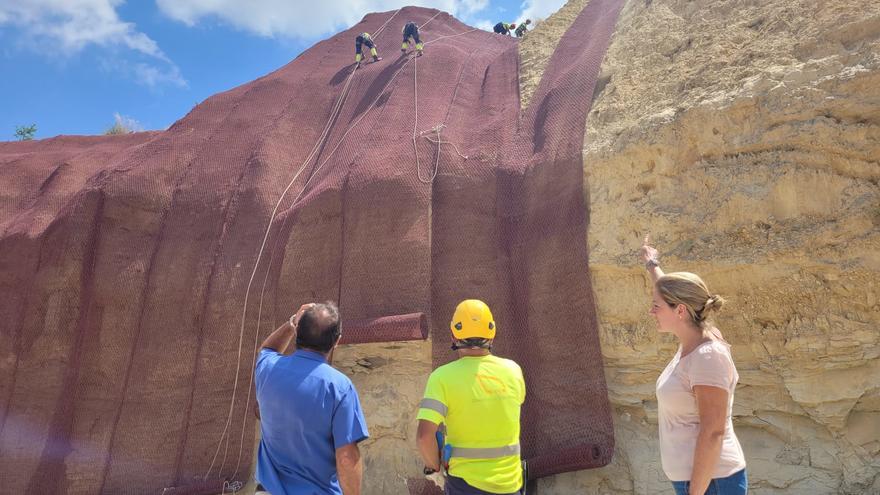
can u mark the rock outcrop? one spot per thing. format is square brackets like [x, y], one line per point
[745, 137]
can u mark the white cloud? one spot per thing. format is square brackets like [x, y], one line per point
[538, 9]
[302, 19]
[484, 24]
[474, 5]
[66, 27]
[143, 73]
[73, 24]
[126, 122]
[152, 76]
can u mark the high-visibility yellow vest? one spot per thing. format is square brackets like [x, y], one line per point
[479, 399]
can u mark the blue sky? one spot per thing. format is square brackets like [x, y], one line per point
[75, 67]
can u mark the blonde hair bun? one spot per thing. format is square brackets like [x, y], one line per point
[689, 289]
[714, 303]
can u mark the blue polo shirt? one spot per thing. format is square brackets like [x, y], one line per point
[308, 409]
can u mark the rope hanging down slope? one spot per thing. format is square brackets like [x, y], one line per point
[224, 437]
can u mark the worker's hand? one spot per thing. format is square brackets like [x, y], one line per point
[438, 478]
[646, 252]
[294, 320]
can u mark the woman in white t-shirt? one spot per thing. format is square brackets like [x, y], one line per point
[699, 451]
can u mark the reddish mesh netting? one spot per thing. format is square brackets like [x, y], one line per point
[385, 329]
[124, 261]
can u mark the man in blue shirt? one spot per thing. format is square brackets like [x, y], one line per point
[311, 417]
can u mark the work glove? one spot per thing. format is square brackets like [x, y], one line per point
[438, 478]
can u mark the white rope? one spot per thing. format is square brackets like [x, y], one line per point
[438, 127]
[325, 133]
[359, 118]
[450, 36]
[293, 204]
[438, 142]
[424, 180]
[323, 136]
[437, 159]
[382, 28]
[233, 486]
[431, 19]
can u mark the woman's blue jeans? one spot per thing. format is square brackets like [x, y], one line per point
[735, 484]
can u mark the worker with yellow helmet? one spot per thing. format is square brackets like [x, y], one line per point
[477, 398]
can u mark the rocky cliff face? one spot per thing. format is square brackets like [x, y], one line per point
[742, 135]
[139, 273]
[745, 137]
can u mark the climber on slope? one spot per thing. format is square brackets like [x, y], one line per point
[411, 30]
[478, 397]
[504, 28]
[521, 29]
[364, 39]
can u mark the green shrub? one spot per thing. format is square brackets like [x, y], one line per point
[25, 132]
[116, 128]
[123, 125]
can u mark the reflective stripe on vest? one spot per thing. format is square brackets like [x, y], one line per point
[434, 405]
[485, 453]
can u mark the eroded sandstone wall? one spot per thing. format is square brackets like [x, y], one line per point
[744, 137]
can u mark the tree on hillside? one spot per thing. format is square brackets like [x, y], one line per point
[25, 132]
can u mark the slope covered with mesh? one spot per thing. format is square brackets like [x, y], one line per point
[139, 271]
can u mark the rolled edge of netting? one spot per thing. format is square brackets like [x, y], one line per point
[412, 326]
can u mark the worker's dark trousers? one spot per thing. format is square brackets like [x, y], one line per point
[357, 45]
[499, 29]
[458, 486]
[411, 32]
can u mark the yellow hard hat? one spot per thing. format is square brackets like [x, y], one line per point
[472, 319]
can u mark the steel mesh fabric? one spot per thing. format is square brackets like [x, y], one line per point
[124, 259]
[516, 239]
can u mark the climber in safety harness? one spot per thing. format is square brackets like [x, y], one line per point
[477, 399]
[364, 39]
[504, 28]
[411, 30]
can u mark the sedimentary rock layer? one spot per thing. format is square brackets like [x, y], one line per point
[745, 137]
